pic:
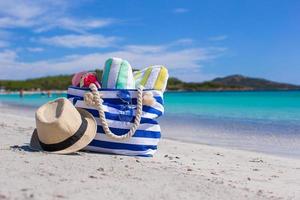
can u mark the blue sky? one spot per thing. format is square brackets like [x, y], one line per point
[196, 40]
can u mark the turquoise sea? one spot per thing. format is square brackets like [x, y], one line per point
[264, 121]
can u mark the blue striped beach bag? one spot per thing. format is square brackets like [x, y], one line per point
[124, 125]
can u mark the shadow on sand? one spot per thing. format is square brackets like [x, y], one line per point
[27, 148]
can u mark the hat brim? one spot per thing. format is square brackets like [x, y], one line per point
[87, 137]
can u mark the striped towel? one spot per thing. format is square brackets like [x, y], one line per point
[117, 74]
[144, 141]
[153, 77]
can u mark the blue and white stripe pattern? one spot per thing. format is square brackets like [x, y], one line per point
[144, 141]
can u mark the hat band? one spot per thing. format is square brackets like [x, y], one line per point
[69, 141]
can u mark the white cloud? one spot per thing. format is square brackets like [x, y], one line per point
[192, 75]
[45, 15]
[74, 41]
[185, 60]
[4, 34]
[76, 25]
[7, 57]
[184, 41]
[218, 38]
[180, 10]
[4, 38]
[3, 44]
[10, 22]
[145, 48]
[35, 49]
[23, 9]
[19, 13]
[159, 48]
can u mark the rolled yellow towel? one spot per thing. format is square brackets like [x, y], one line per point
[153, 77]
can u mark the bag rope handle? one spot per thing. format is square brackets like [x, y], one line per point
[94, 99]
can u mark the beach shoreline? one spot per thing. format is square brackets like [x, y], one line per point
[33, 92]
[179, 170]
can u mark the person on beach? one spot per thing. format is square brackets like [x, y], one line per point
[21, 93]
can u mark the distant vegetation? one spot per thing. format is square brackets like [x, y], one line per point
[176, 84]
[234, 82]
[60, 82]
[45, 83]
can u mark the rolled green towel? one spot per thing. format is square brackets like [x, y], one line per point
[117, 74]
[153, 77]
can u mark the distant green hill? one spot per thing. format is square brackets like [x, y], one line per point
[234, 82]
[253, 83]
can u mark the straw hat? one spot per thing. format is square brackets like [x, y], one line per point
[61, 128]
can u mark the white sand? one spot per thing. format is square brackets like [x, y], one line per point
[178, 171]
